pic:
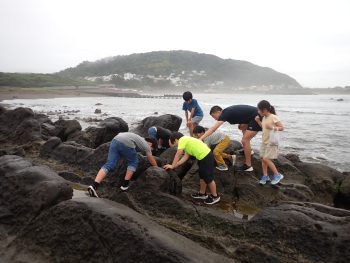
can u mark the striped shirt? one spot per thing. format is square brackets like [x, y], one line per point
[133, 140]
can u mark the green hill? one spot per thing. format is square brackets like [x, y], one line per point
[38, 80]
[178, 68]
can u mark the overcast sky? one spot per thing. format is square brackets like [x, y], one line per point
[306, 39]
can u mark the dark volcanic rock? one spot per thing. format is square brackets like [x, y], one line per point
[19, 126]
[234, 146]
[168, 121]
[342, 197]
[322, 180]
[95, 136]
[308, 232]
[94, 161]
[65, 128]
[67, 152]
[97, 230]
[14, 150]
[26, 190]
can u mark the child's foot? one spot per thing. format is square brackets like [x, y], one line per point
[245, 168]
[222, 167]
[125, 185]
[277, 178]
[264, 179]
[212, 200]
[92, 191]
[199, 196]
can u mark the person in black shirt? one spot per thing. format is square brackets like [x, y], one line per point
[244, 115]
[162, 136]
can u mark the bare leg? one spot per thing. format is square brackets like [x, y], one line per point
[264, 166]
[100, 176]
[202, 186]
[271, 165]
[212, 188]
[128, 175]
[247, 136]
[191, 127]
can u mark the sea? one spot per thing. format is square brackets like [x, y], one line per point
[317, 127]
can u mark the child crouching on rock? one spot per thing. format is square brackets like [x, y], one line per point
[124, 145]
[268, 151]
[220, 141]
[194, 147]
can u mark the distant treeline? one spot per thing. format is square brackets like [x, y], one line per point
[38, 80]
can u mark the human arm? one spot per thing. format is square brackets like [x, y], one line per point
[275, 124]
[211, 130]
[258, 121]
[192, 113]
[186, 115]
[279, 126]
[151, 159]
[176, 161]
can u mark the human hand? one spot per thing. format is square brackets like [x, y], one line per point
[168, 167]
[189, 123]
[257, 118]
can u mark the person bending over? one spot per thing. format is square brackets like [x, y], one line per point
[193, 111]
[124, 145]
[190, 146]
[160, 134]
[244, 115]
[220, 142]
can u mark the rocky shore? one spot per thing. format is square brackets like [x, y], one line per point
[46, 216]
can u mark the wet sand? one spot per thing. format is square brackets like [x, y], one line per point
[9, 93]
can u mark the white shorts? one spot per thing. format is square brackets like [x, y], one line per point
[267, 151]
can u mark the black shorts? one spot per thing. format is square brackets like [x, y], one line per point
[254, 126]
[206, 167]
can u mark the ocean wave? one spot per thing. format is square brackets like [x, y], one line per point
[315, 113]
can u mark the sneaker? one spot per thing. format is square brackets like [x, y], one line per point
[277, 178]
[125, 185]
[92, 191]
[245, 168]
[212, 200]
[222, 167]
[234, 158]
[264, 179]
[199, 196]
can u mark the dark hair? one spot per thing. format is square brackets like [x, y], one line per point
[265, 105]
[175, 136]
[187, 95]
[198, 129]
[153, 141]
[215, 109]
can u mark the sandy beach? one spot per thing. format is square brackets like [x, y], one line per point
[8, 93]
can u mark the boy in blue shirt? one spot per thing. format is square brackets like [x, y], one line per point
[196, 114]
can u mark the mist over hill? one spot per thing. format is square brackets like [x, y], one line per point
[183, 69]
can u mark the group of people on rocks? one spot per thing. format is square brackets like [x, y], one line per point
[206, 145]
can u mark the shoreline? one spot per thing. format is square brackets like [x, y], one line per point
[33, 93]
[12, 93]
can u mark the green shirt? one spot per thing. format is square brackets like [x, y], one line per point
[193, 147]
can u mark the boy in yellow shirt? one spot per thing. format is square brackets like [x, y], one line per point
[198, 149]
